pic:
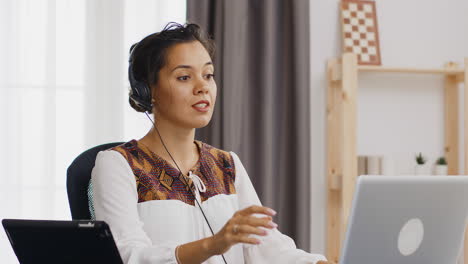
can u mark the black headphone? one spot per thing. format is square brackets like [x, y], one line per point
[140, 92]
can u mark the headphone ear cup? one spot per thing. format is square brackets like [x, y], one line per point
[140, 93]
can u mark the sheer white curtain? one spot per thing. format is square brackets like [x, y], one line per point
[63, 89]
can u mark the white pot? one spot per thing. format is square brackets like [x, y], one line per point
[441, 170]
[387, 166]
[420, 170]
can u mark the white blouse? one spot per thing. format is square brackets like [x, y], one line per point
[149, 232]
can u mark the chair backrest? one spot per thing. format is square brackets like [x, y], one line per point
[78, 177]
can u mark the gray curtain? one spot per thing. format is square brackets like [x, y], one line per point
[262, 111]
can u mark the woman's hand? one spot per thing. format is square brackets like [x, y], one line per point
[239, 228]
[326, 262]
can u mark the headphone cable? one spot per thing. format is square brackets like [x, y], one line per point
[180, 173]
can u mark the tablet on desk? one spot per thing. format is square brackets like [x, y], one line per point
[48, 241]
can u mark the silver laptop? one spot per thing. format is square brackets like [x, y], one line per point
[406, 219]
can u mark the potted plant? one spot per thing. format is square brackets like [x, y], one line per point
[420, 168]
[441, 166]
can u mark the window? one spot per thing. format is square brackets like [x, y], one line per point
[52, 104]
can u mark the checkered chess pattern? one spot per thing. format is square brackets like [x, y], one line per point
[360, 32]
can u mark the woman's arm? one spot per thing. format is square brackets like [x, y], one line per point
[194, 252]
[275, 247]
[115, 200]
[237, 230]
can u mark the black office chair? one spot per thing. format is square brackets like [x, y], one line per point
[78, 177]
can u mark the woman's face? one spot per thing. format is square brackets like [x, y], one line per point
[185, 94]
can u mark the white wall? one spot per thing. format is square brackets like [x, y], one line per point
[398, 114]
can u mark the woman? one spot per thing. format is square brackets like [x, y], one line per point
[169, 198]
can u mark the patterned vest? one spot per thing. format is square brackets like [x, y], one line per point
[156, 179]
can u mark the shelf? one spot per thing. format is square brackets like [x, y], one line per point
[342, 89]
[451, 69]
[447, 71]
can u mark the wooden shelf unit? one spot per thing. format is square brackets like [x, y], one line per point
[342, 77]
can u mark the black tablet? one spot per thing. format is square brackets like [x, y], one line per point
[49, 241]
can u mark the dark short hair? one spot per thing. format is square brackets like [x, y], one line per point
[149, 55]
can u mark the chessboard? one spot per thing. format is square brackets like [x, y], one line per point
[360, 32]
